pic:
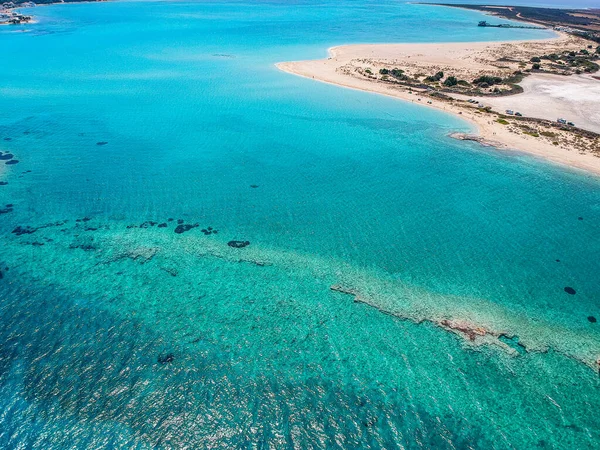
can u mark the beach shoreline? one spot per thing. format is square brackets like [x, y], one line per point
[344, 68]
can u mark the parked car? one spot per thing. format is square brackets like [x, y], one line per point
[518, 114]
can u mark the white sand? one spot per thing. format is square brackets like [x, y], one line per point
[575, 98]
[465, 59]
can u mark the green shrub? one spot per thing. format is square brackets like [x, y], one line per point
[450, 81]
[437, 77]
[489, 80]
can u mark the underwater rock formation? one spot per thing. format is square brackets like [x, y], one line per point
[469, 330]
[166, 358]
[208, 231]
[182, 228]
[238, 244]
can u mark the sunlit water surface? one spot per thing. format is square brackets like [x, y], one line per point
[131, 119]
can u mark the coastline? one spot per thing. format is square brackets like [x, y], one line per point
[341, 68]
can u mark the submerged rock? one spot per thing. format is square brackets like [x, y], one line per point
[162, 225]
[19, 230]
[147, 224]
[592, 319]
[24, 230]
[12, 162]
[238, 244]
[570, 290]
[6, 210]
[166, 358]
[208, 231]
[6, 156]
[3, 183]
[469, 330]
[185, 227]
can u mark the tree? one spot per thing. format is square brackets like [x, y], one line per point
[535, 59]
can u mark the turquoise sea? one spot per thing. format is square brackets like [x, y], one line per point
[125, 325]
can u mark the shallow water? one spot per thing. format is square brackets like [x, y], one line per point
[121, 333]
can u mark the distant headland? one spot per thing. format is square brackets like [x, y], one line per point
[10, 17]
[579, 22]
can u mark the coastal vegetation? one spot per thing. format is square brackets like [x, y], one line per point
[503, 78]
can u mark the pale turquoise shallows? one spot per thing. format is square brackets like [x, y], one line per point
[134, 120]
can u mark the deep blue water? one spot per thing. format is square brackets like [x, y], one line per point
[118, 332]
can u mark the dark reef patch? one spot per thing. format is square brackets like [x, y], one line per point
[182, 228]
[20, 230]
[85, 247]
[162, 225]
[6, 156]
[3, 183]
[24, 230]
[12, 162]
[101, 143]
[148, 224]
[7, 139]
[6, 210]
[254, 186]
[34, 243]
[208, 231]
[570, 290]
[238, 244]
[592, 319]
[166, 358]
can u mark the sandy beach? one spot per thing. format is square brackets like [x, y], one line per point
[545, 96]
